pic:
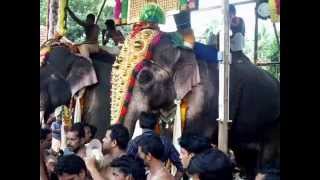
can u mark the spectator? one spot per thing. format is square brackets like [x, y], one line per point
[151, 150]
[45, 138]
[203, 162]
[127, 167]
[89, 132]
[114, 145]
[71, 167]
[148, 122]
[56, 129]
[75, 140]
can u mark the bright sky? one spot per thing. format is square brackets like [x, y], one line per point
[201, 19]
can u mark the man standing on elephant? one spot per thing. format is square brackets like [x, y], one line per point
[202, 51]
[92, 30]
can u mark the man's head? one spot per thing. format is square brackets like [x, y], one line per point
[151, 149]
[75, 137]
[127, 168]
[51, 162]
[148, 120]
[110, 25]
[117, 136]
[89, 132]
[192, 144]
[212, 164]
[45, 138]
[90, 18]
[183, 23]
[71, 167]
[232, 10]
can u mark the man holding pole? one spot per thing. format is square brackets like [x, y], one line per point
[92, 30]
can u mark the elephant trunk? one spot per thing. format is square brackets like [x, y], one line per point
[138, 104]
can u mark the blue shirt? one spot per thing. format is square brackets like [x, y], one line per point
[170, 152]
[205, 52]
[56, 130]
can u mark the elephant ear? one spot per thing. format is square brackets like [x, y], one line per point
[81, 75]
[186, 74]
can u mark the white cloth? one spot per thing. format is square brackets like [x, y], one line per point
[237, 42]
[137, 130]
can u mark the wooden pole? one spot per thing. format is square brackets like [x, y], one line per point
[100, 11]
[53, 17]
[47, 19]
[224, 75]
[256, 31]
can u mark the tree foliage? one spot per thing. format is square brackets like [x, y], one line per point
[81, 8]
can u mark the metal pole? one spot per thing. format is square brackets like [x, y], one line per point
[256, 31]
[276, 33]
[99, 13]
[224, 75]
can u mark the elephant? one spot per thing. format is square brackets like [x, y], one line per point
[254, 100]
[64, 74]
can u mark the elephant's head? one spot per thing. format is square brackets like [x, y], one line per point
[62, 76]
[171, 74]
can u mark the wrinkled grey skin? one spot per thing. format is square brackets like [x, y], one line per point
[66, 74]
[254, 100]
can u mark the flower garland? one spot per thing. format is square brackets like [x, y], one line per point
[117, 11]
[125, 68]
[124, 11]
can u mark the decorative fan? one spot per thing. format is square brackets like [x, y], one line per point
[263, 10]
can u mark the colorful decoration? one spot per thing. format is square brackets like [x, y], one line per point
[275, 10]
[62, 28]
[124, 11]
[183, 4]
[124, 71]
[117, 11]
[152, 13]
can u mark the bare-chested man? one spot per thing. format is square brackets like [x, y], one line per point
[151, 150]
[75, 140]
[114, 145]
[92, 30]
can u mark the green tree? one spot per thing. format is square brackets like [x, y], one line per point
[43, 12]
[81, 8]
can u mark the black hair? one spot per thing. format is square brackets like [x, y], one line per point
[194, 143]
[79, 128]
[130, 165]
[153, 145]
[91, 16]
[110, 24]
[93, 129]
[120, 134]
[148, 120]
[232, 9]
[70, 164]
[212, 164]
[44, 133]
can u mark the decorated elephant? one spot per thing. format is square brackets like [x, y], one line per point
[64, 74]
[173, 71]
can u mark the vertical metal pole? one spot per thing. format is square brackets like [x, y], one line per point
[256, 33]
[276, 34]
[224, 75]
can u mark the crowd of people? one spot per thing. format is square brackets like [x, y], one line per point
[144, 157]
[147, 156]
